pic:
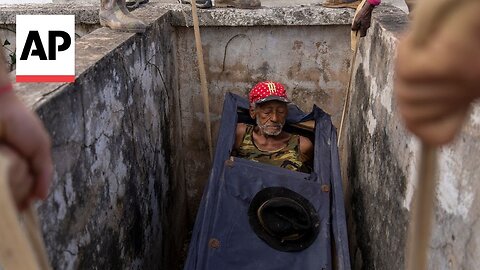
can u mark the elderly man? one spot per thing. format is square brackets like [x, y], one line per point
[267, 142]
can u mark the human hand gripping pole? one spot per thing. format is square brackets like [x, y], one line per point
[436, 15]
[19, 248]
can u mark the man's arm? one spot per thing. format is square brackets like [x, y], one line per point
[437, 80]
[363, 19]
[22, 132]
[239, 133]
[306, 149]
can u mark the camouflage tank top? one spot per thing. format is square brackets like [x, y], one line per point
[287, 157]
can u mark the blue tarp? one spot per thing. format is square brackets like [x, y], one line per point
[233, 182]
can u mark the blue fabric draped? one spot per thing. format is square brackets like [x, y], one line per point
[233, 182]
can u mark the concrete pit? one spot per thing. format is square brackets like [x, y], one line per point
[131, 156]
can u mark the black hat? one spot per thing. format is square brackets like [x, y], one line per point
[284, 219]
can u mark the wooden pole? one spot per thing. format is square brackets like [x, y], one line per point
[346, 102]
[19, 249]
[203, 78]
[354, 45]
[420, 227]
[34, 233]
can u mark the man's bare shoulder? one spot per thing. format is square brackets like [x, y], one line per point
[306, 147]
[239, 133]
[241, 127]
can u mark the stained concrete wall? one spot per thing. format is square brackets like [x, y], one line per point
[107, 208]
[382, 167]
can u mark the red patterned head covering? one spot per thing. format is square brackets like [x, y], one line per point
[266, 91]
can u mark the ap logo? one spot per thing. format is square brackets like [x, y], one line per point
[45, 48]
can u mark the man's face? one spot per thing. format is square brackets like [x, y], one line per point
[270, 116]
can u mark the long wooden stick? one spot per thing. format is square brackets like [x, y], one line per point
[354, 45]
[346, 102]
[203, 78]
[34, 233]
[19, 249]
[15, 251]
[420, 227]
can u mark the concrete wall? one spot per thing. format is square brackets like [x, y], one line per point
[382, 167]
[107, 208]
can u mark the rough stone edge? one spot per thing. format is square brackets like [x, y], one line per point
[295, 15]
[275, 16]
[85, 14]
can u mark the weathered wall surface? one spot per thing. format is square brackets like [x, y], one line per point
[111, 150]
[382, 167]
[312, 61]
[128, 136]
